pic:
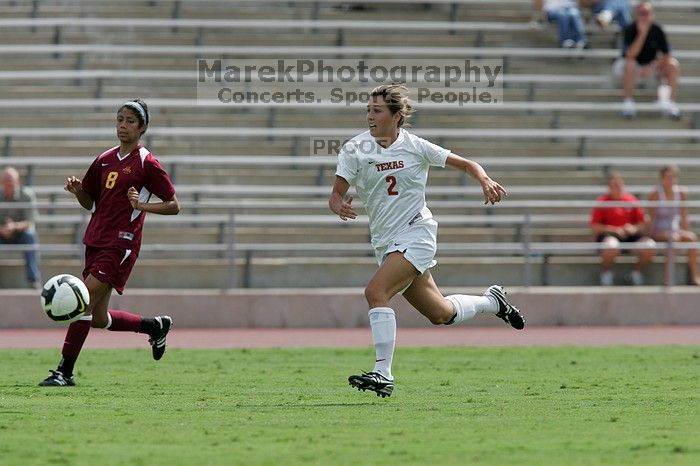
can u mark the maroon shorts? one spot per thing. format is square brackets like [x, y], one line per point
[110, 265]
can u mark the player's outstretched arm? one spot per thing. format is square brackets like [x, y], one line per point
[169, 207]
[337, 202]
[493, 192]
[75, 187]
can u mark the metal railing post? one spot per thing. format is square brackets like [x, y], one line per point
[7, 150]
[670, 264]
[231, 250]
[527, 272]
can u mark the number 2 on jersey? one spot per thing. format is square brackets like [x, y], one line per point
[392, 184]
[111, 179]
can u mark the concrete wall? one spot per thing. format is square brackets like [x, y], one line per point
[324, 272]
[345, 307]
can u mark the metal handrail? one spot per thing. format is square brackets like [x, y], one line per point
[525, 247]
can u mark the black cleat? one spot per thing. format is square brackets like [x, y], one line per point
[373, 381]
[157, 339]
[57, 379]
[506, 311]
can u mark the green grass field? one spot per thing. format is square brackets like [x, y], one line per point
[558, 406]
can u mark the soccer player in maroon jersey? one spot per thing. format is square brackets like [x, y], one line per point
[117, 188]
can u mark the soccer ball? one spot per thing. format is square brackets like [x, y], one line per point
[64, 298]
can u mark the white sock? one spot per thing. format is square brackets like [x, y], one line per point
[467, 306]
[383, 323]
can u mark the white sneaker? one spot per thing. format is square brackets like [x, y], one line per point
[663, 94]
[568, 44]
[604, 18]
[606, 278]
[629, 109]
[636, 277]
[672, 110]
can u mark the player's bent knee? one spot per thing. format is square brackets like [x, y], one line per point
[374, 295]
[369, 293]
[99, 322]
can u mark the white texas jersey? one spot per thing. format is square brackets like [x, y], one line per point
[390, 182]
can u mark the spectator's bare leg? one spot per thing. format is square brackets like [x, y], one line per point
[609, 253]
[670, 69]
[629, 78]
[645, 255]
[690, 237]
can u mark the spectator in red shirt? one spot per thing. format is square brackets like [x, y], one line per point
[612, 225]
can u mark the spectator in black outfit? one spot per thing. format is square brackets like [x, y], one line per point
[644, 39]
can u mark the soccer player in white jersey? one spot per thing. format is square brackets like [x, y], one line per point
[389, 168]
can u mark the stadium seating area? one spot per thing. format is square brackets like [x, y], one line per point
[254, 197]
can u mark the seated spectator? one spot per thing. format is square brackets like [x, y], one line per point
[613, 225]
[606, 12]
[565, 13]
[670, 223]
[643, 41]
[17, 224]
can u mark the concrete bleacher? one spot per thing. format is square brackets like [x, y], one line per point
[67, 67]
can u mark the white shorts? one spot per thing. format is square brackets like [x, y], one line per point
[418, 243]
[618, 71]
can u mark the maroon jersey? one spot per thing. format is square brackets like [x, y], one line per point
[114, 223]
